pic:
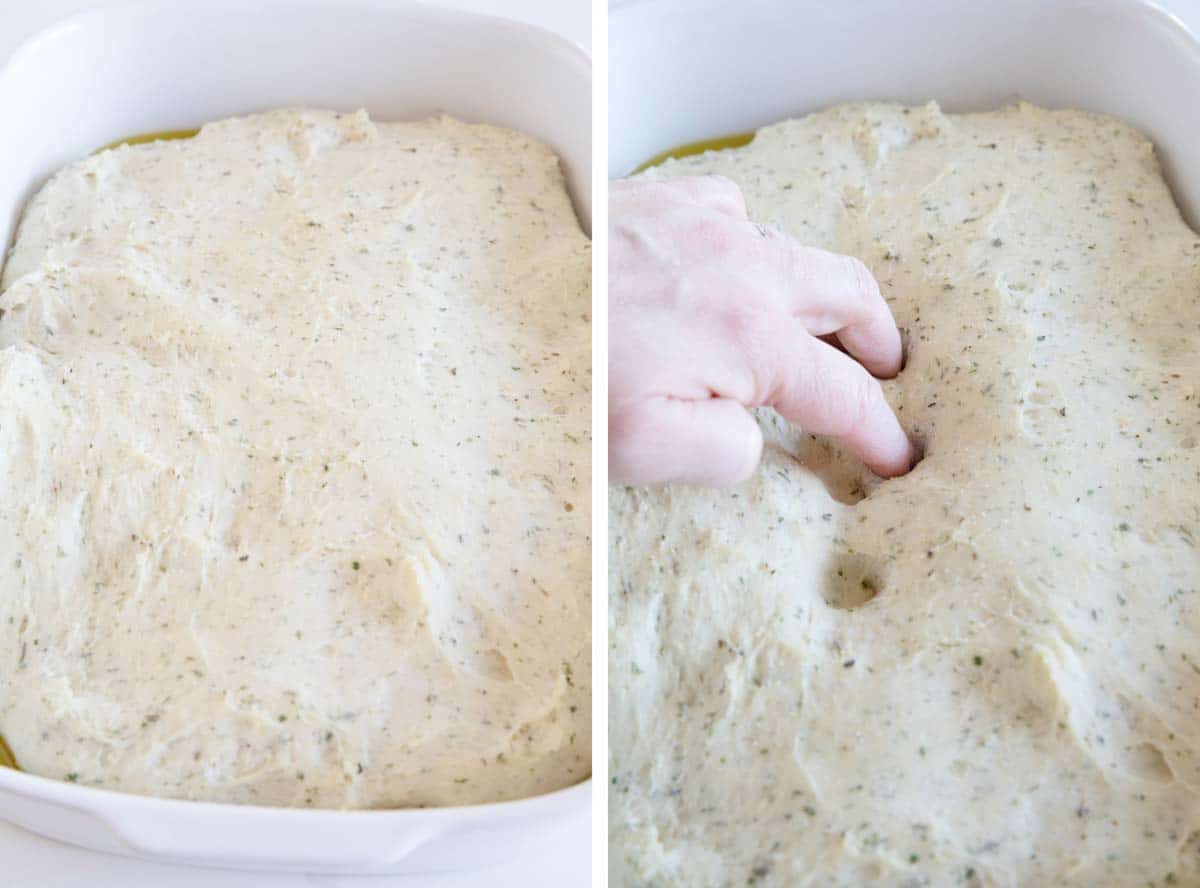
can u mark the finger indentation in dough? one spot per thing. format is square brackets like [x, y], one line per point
[841, 474]
[493, 664]
[851, 581]
[1041, 409]
[1147, 762]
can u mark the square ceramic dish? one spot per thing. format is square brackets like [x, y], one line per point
[685, 70]
[109, 74]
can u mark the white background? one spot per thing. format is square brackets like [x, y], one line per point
[30, 861]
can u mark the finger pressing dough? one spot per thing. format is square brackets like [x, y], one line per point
[986, 672]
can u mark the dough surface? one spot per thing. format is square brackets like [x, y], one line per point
[294, 467]
[986, 672]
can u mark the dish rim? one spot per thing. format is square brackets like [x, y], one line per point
[563, 48]
[621, 10]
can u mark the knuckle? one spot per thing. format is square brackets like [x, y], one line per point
[719, 186]
[623, 190]
[717, 192]
[794, 261]
[647, 194]
[712, 234]
[749, 327]
[716, 180]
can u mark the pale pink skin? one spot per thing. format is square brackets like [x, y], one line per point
[710, 313]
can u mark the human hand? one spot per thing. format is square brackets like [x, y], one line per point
[710, 313]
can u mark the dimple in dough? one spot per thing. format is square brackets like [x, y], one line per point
[986, 672]
[294, 467]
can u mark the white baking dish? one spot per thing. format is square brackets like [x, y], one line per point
[109, 74]
[684, 70]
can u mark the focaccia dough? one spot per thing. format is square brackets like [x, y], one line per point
[986, 672]
[294, 467]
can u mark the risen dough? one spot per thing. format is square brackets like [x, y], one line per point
[986, 672]
[294, 467]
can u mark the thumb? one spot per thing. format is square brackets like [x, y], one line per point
[712, 442]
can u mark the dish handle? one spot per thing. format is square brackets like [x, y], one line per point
[252, 841]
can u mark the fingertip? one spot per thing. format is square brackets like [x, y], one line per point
[847, 294]
[887, 366]
[880, 440]
[877, 343]
[722, 447]
[893, 362]
[751, 453]
[896, 460]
